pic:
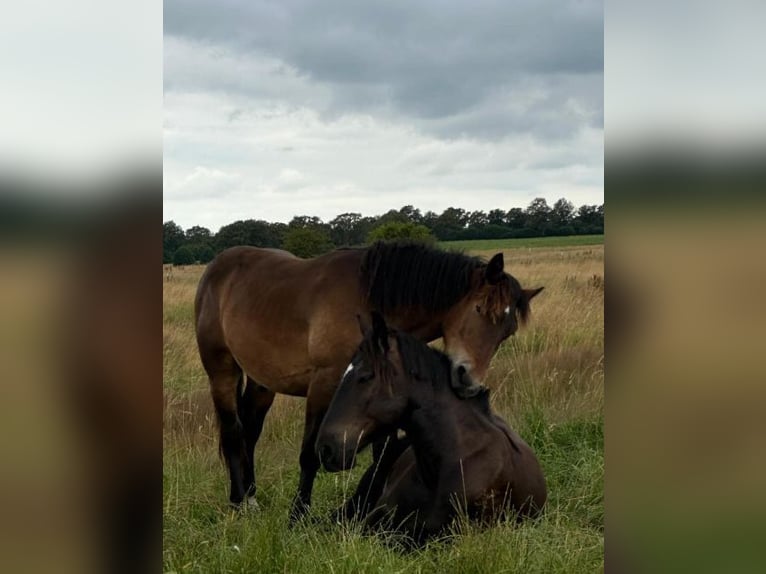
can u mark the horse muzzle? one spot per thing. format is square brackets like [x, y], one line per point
[464, 385]
[334, 458]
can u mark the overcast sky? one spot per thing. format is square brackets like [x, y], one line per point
[276, 109]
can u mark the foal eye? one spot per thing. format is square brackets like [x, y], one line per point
[364, 377]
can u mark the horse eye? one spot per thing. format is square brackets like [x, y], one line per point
[478, 309]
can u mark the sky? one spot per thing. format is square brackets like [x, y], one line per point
[277, 109]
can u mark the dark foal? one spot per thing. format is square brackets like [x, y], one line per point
[457, 454]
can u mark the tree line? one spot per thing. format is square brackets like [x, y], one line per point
[307, 236]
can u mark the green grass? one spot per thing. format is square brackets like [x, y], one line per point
[547, 382]
[203, 535]
[522, 242]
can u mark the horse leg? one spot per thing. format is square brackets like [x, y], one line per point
[384, 454]
[225, 388]
[317, 401]
[253, 407]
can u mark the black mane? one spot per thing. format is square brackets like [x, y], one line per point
[425, 363]
[409, 274]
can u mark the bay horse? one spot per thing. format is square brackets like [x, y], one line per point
[457, 453]
[268, 322]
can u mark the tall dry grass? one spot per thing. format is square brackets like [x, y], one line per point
[547, 381]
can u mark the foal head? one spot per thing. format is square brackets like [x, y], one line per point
[372, 398]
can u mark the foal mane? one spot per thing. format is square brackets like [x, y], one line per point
[425, 363]
[409, 274]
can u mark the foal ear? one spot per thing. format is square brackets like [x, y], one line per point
[494, 272]
[380, 330]
[529, 294]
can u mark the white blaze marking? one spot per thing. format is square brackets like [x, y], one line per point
[348, 369]
[508, 310]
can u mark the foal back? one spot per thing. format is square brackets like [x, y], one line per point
[493, 471]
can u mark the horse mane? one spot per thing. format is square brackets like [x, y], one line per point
[425, 363]
[410, 274]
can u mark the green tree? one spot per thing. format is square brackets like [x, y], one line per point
[391, 216]
[306, 241]
[198, 234]
[516, 218]
[450, 224]
[306, 221]
[344, 229]
[183, 256]
[496, 217]
[398, 230]
[412, 214]
[430, 219]
[253, 232]
[202, 252]
[562, 213]
[538, 215]
[456, 216]
[477, 219]
[172, 238]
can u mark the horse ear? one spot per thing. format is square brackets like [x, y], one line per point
[529, 294]
[380, 330]
[495, 272]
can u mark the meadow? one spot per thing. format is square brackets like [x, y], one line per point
[547, 382]
[520, 242]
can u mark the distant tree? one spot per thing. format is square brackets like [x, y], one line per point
[590, 219]
[450, 224]
[197, 234]
[391, 216]
[344, 229]
[477, 219]
[306, 221]
[397, 230]
[496, 217]
[430, 219]
[492, 231]
[277, 232]
[587, 214]
[562, 213]
[363, 228]
[538, 215]
[172, 238]
[412, 214]
[454, 216]
[183, 256]
[516, 218]
[306, 241]
[257, 233]
[202, 252]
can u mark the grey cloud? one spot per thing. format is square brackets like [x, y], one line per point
[453, 70]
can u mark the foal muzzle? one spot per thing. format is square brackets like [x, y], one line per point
[334, 456]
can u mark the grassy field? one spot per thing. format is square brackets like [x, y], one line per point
[473, 245]
[547, 382]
